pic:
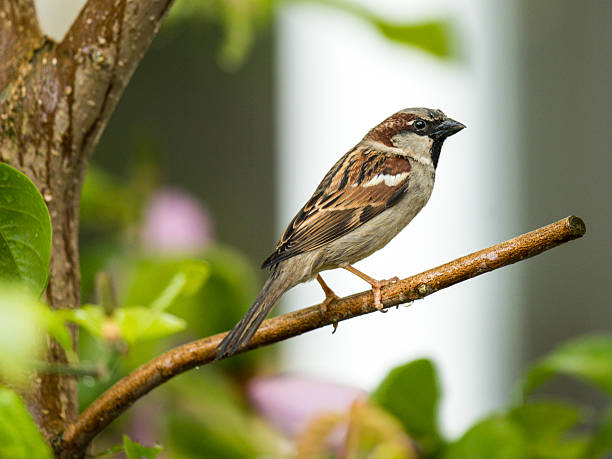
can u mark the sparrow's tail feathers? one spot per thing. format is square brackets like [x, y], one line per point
[241, 334]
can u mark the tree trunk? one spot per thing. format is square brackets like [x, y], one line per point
[55, 100]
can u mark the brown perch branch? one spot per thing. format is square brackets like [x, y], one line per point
[154, 373]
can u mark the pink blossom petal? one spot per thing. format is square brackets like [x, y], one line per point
[290, 402]
[175, 222]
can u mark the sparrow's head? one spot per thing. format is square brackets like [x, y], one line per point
[419, 132]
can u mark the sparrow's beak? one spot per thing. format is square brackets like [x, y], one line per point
[447, 128]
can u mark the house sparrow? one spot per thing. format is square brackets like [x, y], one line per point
[369, 195]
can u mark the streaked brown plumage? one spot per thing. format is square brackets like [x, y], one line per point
[365, 199]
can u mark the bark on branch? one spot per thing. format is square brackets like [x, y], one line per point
[55, 100]
[154, 373]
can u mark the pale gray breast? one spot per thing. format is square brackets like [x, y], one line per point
[376, 233]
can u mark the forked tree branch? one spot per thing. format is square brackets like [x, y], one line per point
[125, 392]
[55, 100]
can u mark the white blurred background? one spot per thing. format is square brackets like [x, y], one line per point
[337, 79]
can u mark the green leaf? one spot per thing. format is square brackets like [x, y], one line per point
[410, 392]
[21, 334]
[545, 428]
[134, 323]
[134, 450]
[161, 282]
[54, 323]
[24, 320]
[90, 316]
[434, 37]
[587, 358]
[495, 437]
[25, 231]
[190, 277]
[239, 22]
[138, 323]
[602, 440]
[19, 436]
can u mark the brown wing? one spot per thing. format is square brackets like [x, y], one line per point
[362, 184]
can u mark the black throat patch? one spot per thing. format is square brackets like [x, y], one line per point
[436, 148]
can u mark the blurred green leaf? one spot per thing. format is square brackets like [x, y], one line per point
[374, 432]
[142, 323]
[241, 20]
[21, 332]
[587, 358]
[25, 231]
[434, 37]
[133, 323]
[602, 439]
[545, 428]
[19, 436]
[223, 297]
[238, 19]
[138, 323]
[91, 317]
[24, 321]
[495, 437]
[410, 392]
[54, 323]
[188, 280]
[162, 281]
[134, 450]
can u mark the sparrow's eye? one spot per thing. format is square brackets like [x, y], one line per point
[420, 124]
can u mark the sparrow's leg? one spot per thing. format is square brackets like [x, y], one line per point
[376, 285]
[329, 297]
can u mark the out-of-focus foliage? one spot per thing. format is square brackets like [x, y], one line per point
[23, 322]
[19, 436]
[548, 429]
[141, 323]
[432, 36]
[402, 422]
[494, 437]
[411, 393]
[602, 440]
[366, 430]
[586, 358]
[133, 450]
[25, 231]
[240, 21]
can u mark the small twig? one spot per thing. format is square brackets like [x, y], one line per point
[154, 373]
[94, 371]
[106, 294]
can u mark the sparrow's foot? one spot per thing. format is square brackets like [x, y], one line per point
[376, 285]
[330, 297]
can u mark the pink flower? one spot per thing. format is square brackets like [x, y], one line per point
[290, 402]
[175, 222]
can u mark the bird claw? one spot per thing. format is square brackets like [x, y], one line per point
[377, 294]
